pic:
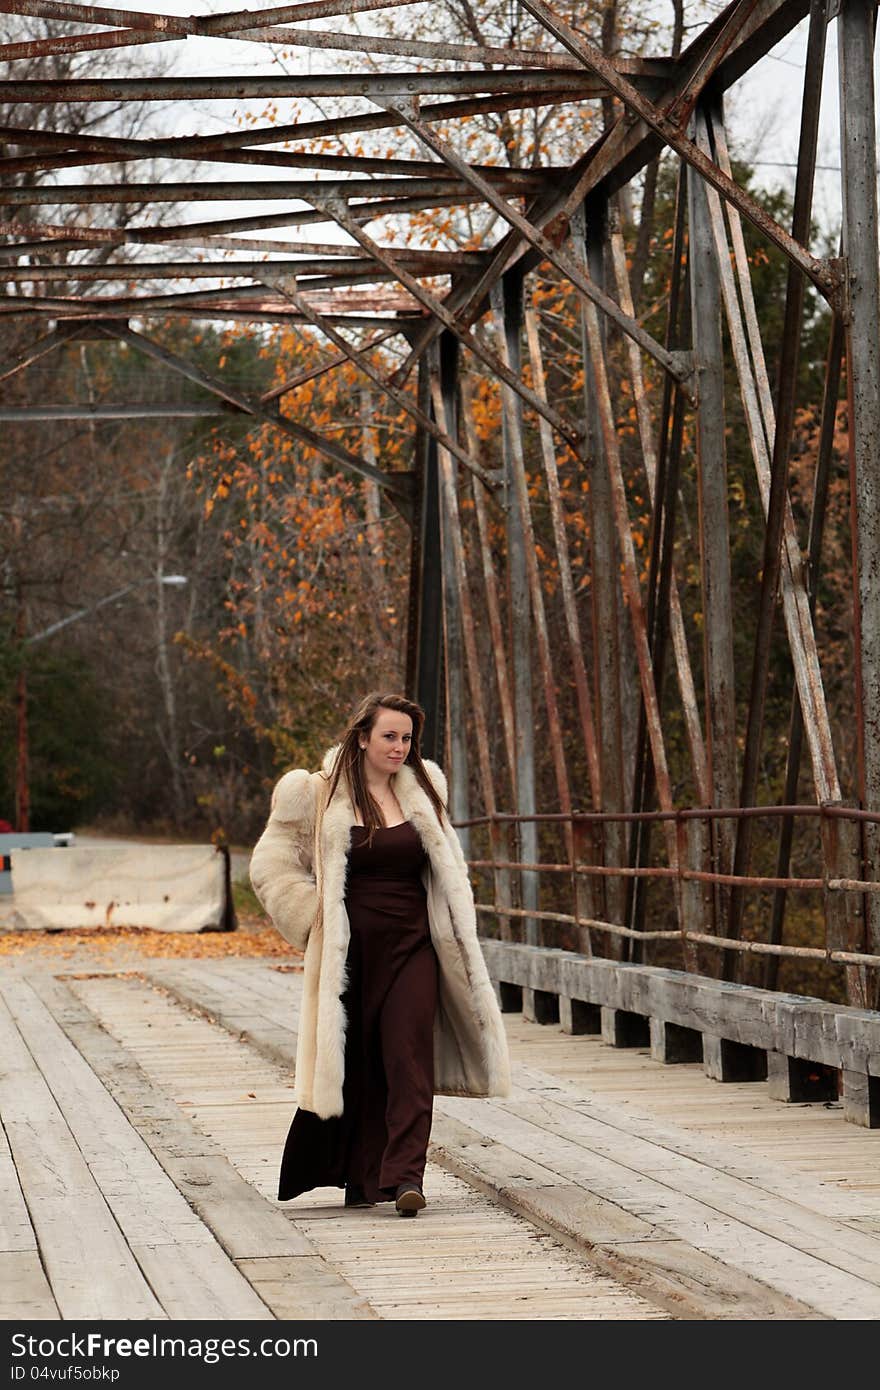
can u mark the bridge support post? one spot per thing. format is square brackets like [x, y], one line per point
[705, 286]
[507, 306]
[424, 638]
[797, 1080]
[539, 1006]
[588, 231]
[732, 1061]
[861, 1099]
[621, 1028]
[510, 997]
[671, 1043]
[444, 361]
[577, 1017]
[855, 28]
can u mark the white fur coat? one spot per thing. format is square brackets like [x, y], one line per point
[470, 1045]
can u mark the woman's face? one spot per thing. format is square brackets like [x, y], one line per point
[388, 744]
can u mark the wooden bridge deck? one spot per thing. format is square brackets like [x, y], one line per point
[144, 1113]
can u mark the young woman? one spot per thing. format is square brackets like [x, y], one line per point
[360, 867]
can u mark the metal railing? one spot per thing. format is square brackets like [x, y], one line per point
[830, 883]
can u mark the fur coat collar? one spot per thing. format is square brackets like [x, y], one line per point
[470, 1045]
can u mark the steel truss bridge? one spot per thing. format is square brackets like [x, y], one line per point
[617, 832]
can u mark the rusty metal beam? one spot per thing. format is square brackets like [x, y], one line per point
[270, 159]
[418, 48]
[825, 450]
[142, 410]
[20, 361]
[823, 274]
[75, 151]
[363, 213]
[509, 324]
[72, 271]
[145, 27]
[856, 36]
[654, 469]
[588, 230]
[17, 91]
[37, 309]
[424, 628]
[714, 526]
[400, 398]
[507, 314]
[573, 270]
[777, 498]
[343, 269]
[491, 588]
[190, 301]
[442, 366]
[222, 25]
[397, 486]
[442, 401]
[629, 569]
[208, 147]
[563, 557]
[264, 190]
[75, 43]
[620, 153]
[341, 214]
[664, 613]
[754, 379]
[302, 38]
[58, 236]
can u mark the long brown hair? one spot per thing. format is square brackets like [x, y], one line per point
[350, 762]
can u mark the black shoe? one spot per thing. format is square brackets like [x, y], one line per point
[410, 1199]
[354, 1196]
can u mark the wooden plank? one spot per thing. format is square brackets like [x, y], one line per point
[220, 1001]
[151, 1213]
[614, 1167]
[244, 1223]
[707, 1265]
[90, 1268]
[16, 1231]
[201, 1282]
[363, 1245]
[24, 1289]
[715, 1152]
[305, 1287]
[248, 990]
[279, 997]
[685, 1281]
[500, 1164]
[735, 1127]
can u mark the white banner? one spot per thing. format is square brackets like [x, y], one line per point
[167, 887]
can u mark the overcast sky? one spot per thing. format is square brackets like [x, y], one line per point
[764, 116]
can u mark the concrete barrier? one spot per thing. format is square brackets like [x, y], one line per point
[166, 887]
[32, 839]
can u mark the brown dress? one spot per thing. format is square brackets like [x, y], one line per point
[381, 1138]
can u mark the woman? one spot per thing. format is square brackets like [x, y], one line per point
[360, 867]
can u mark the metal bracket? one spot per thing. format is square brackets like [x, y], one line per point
[838, 296]
[100, 328]
[408, 107]
[685, 366]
